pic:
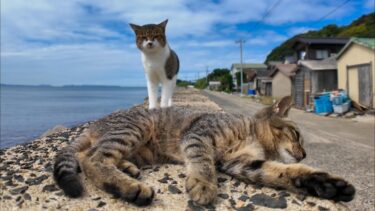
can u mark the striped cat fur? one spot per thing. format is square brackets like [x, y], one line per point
[264, 149]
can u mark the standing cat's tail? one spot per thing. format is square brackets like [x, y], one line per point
[66, 167]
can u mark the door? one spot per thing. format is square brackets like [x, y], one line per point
[364, 85]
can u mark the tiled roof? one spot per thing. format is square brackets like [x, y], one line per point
[366, 42]
[286, 69]
[325, 64]
[250, 65]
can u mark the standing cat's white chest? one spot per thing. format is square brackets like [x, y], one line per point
[154, 63]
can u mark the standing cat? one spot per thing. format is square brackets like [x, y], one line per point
[263, 149]
[160, 62]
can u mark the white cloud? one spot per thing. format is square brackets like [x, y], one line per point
[89, 41]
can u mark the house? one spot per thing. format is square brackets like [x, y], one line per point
[313, 77]
[236, 67]
[317, 48]
[281, 75]
[214, 85]
[356, 66]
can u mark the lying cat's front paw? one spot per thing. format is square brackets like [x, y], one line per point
[201, 191]
[325, 186]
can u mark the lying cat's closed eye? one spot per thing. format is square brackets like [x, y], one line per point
[262, 149]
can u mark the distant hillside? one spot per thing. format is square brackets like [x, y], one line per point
[362, 27]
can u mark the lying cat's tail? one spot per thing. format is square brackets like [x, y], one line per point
[66, 167]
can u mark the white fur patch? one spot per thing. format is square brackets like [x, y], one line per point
[286, 157]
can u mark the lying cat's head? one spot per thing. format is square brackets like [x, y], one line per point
[150, 37]
[281, 137]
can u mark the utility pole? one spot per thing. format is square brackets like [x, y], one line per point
[241, 42]
[207, 74]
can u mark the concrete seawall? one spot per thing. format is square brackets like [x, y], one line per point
[26, 181]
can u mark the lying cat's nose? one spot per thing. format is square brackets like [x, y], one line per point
[149, 44]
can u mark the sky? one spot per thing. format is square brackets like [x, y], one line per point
[76, 42]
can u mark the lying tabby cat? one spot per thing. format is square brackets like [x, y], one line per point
[253, 149]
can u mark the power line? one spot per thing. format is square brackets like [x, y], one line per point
[331, 12]
[267, 13]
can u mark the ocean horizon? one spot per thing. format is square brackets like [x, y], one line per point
[27, 111]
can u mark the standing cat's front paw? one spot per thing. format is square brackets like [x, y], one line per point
[201, 191]
[325, 186]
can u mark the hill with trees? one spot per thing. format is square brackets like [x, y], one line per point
[362, 27]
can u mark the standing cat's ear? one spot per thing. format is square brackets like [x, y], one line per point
[135, 28]
[163, 24]
[282, 107]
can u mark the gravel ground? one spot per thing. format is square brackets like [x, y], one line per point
[344, 147]
[26, 181]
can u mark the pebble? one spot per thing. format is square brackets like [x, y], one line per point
[174, 190]
[223, 195]
[101, 204]
[243, 198]
[27, 196]
[182, 175]
[50, 188]
[19, 178]
[37, 180]
[248, 207]
[320, 208]
[18, 190]
[194, 207]
[267, 201]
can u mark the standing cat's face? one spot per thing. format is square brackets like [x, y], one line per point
[150, 37]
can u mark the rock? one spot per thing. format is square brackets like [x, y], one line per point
[19, 190]
[223, 195]
[101, 204]
[182, 175]
[194, 207]
[37, 180]
[174, 190]
[248, 207]
[50, 188]
[267, 201]
[19, 178]
[243, 198]
[320, 208]
[27, 196]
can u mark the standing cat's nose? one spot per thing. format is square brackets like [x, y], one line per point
[150, 44]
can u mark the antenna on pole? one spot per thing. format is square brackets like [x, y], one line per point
[207, 74]
[241, 42]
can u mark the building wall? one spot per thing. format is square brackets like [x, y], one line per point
[324, 80]
[281, 85]
[356, 54]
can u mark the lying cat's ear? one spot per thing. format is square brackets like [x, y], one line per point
[135, 28]
[282, 107]
[163, 24]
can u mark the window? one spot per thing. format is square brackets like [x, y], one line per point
[321, 54]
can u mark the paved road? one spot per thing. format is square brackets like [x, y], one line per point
[340, 146]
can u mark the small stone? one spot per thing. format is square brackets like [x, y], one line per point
[101, 204]
[232, 202]
[237, 183]
[18, 190]
[248, 207]
[296, 202]
[322, 208]
[18, 198]
[194, 207]
[61, 193]
[7, 197]
[27, 196]
[223, 195]
[243, 198]
[181, 175]
[164, 180]
[156, 168]
[311, 204]
[174, 190]
[97, 198]
[37, 180]
[283, 194]
[50, 188]
[19, 178]
[267, 201]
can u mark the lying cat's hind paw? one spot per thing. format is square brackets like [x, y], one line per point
[200, 191]
[325, 186]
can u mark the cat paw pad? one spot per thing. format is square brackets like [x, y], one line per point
[325, 186]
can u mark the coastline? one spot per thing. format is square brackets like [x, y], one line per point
[26, 179]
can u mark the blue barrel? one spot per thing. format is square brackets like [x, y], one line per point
[251, 92]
